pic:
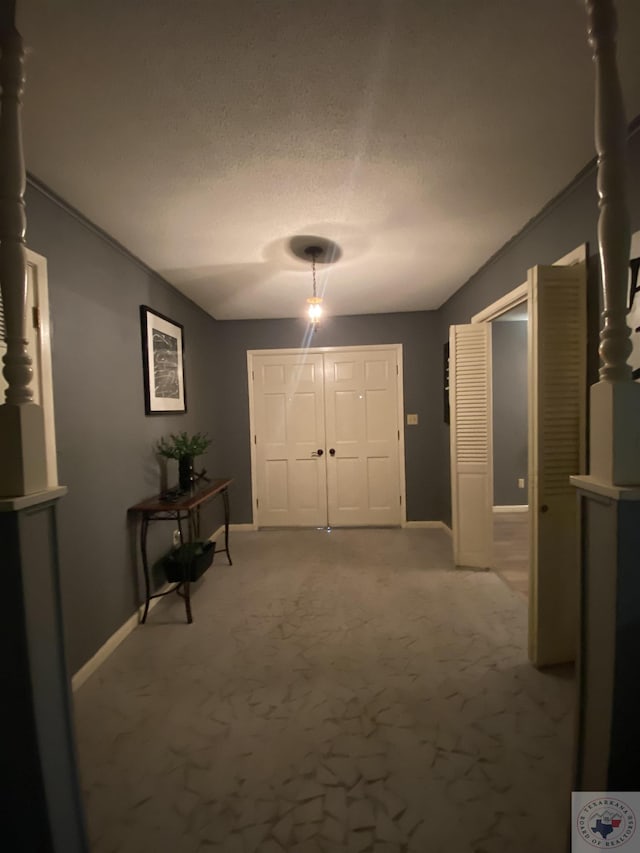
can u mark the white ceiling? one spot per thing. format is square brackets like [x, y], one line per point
[420, 136]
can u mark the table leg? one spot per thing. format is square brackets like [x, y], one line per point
[187, 598]
[145, 565]
[225, 501]
[191, 525]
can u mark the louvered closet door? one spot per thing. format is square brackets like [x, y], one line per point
[471, 444]
[557, 382]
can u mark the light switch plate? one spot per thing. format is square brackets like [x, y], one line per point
[412, 420]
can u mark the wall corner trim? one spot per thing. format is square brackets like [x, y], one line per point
[111, 644]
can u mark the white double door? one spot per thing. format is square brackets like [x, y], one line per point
[326, 438]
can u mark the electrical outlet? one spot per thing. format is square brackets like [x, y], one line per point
[177, 539]
[521, 482]
[412, 420]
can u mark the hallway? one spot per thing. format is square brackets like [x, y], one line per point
[338, 691]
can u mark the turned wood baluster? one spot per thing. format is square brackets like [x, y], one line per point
[13, 259]
[614, 233]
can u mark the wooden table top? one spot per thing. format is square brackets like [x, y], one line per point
[183, 502]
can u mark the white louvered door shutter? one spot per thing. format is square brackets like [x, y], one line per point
[471, 444]
[557, 418]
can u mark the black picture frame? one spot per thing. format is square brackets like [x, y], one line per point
[162, 363]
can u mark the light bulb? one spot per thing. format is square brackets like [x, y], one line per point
[315, 308]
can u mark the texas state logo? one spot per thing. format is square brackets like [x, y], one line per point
[605, 823]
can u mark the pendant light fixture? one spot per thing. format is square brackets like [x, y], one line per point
[314, 303]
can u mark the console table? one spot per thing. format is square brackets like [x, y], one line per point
[180, 507]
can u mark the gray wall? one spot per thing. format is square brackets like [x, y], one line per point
[105, 441]
[509, 345]
[566, 223]
[417, 332]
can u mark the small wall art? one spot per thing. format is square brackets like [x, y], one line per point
[163, 363]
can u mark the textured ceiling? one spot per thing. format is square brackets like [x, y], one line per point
[420, 136]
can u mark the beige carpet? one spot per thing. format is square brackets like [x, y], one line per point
[342, 691]
[511, 549]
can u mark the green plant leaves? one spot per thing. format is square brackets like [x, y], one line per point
[181, 444]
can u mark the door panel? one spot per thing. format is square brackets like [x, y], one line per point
[379, 477]
[289, 430]
[471, 444]
[363, 477]
[557, 427]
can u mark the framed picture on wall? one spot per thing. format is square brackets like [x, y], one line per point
[162, 363]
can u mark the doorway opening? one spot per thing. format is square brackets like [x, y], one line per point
[510, 448]
[556, 393]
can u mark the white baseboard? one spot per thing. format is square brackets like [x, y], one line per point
[132, 623]
[233, 528]
[217, 533]
[516, 508]
[425, 525]
[106, 649]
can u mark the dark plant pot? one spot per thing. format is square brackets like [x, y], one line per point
[185, 473]
[188, 561]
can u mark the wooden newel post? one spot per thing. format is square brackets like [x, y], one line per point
[614, 233]
[13, 263]
[609, 497]
[22, 445]
[615, 400]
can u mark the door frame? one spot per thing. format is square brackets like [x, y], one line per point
[519, 294]
[312, 351]
[510, 300]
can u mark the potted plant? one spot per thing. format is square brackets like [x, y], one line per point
[184, 448]
[188, 561]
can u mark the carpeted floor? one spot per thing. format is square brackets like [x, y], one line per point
[338, 691]
[511, 549]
